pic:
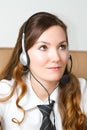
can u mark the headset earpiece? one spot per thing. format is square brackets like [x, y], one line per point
[24, 58]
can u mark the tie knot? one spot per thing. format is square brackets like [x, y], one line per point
[46, 109]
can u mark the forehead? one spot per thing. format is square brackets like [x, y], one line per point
[54, 33]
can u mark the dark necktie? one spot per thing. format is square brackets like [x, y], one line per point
[46, 111]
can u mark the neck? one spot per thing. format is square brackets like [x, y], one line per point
[45, 88]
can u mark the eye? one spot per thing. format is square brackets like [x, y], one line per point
[63, 47]
[43, 47]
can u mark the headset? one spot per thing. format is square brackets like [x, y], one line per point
[24, 58]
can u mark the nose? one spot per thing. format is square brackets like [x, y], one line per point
[55, 56]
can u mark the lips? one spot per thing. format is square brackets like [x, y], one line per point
[54, 68]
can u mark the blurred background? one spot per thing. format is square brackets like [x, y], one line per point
[73, 12]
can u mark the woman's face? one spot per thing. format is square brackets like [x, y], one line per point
[49, 55]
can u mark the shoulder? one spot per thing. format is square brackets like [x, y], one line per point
[83, 84]
[5, 86]
[83, 87]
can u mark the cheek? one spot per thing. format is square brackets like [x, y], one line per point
[64, 59]
[37, 57]
[36, 60]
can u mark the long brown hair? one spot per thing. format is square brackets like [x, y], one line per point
[69, 94]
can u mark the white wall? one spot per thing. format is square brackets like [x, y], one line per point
[14, 12]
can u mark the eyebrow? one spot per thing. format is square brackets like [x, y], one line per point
[49, 42]
[43, 42]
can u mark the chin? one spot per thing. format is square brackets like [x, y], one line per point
[54, 78]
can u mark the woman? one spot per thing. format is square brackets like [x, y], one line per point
[38, 75]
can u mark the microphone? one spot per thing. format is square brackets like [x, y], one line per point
[65, 79]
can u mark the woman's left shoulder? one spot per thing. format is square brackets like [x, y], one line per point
[83, 87]
[83, 84]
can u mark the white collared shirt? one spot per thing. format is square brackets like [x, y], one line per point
[33, 117]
